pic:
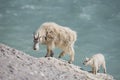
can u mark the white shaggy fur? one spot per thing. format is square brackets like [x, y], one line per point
[95, 62]
[54, 35]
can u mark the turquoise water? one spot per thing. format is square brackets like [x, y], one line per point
[97, 23]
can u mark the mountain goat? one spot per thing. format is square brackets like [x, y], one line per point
[95, 62]
[53, 35]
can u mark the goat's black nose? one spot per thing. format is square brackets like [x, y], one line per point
[34, 48]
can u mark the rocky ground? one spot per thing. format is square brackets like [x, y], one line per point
[16, 65]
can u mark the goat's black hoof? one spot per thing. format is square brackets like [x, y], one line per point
[70, 62]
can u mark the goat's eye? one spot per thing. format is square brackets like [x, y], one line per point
[85, 61]
[35, 39]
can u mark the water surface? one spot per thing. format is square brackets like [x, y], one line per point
[97, 23]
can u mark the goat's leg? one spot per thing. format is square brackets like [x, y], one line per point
[48, 53]
[51, 53]
[61, 54]
[92, 70]
[71, 55]
[104, 67]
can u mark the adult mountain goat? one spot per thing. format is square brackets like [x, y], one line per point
[53, 35]
[95, 62]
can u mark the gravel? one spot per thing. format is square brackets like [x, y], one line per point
[17, 65]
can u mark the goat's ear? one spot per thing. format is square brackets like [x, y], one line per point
[37, 34]
[86, 58]
[33, 35]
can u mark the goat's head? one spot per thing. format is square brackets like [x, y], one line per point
[36, 40]
[86, 62]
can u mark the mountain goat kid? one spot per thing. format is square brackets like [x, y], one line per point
[95, 62]
[53, 35]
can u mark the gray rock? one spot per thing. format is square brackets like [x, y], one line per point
[16, 65]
